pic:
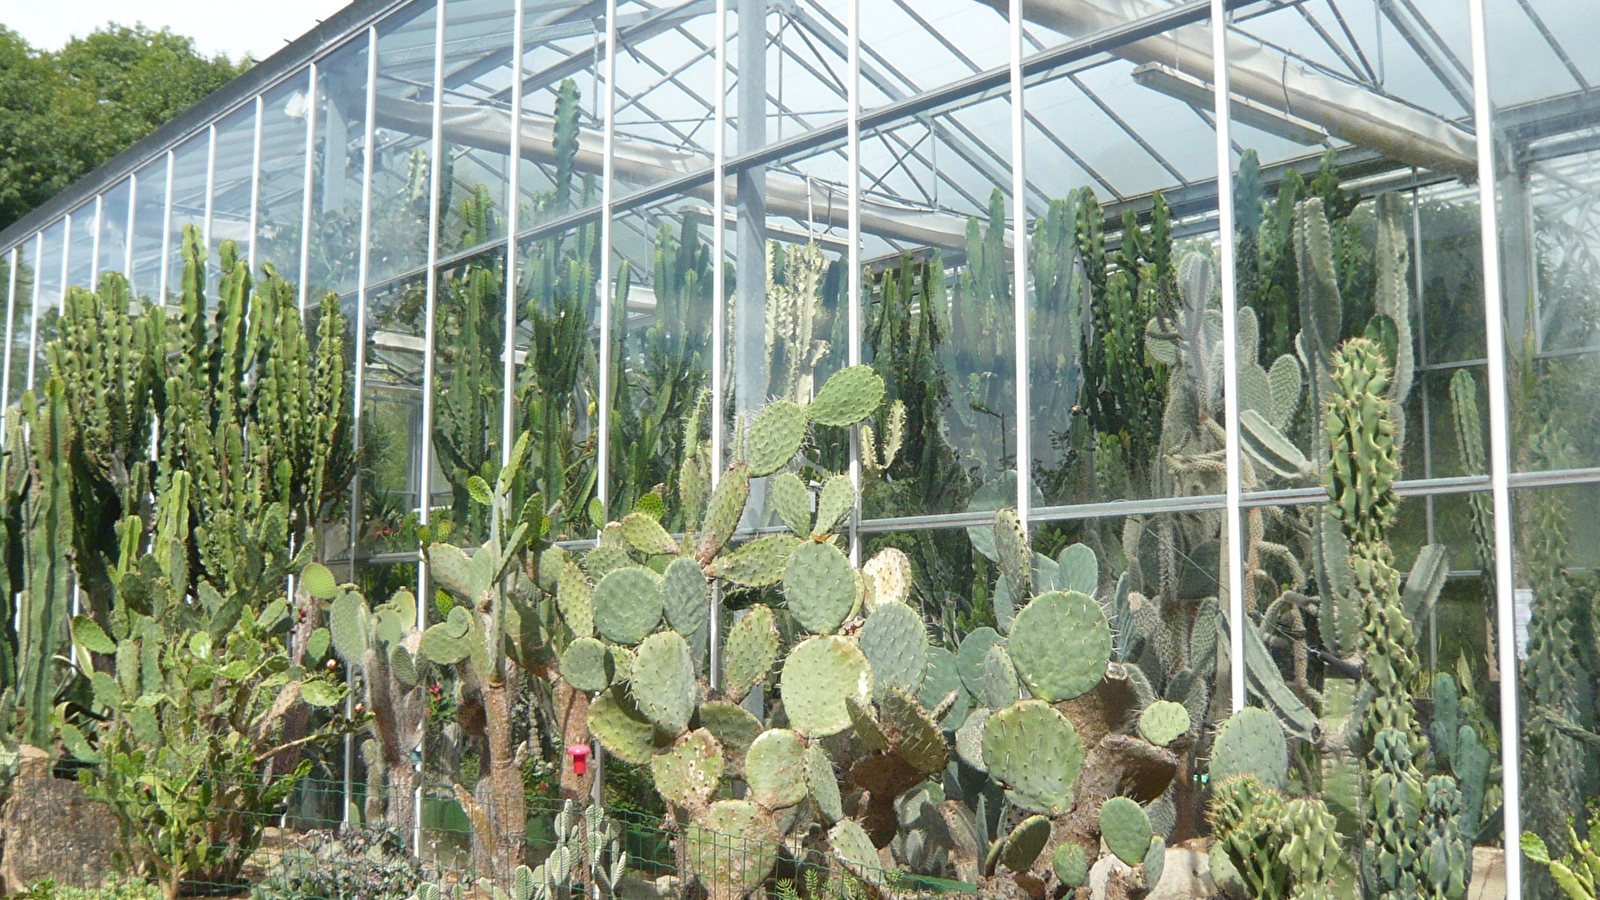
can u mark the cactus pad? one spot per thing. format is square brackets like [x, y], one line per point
[970, 656]
[664, 684]
[1061, 644]
[733, 849]
[1155, 861]
[734, 728]
[774, 768]
[1077, 570]
[938, 680]
[758, 563]
[823, 784]
[685, 596]
[969, 738]
[689, 773]
[1071, 865]
[895, 642]
[586, 665]
[913, 735]
[1000, 685]
[723, 511]
[846, 398]
[627, 604]
[1035, 752]
[834, 504]
[791, 500]
[575, 600]
[1251, 743]
[891, 575]
[1025, 843]
[868, 730]
[1126, 829]
[775, 437]
[820, 586]
[403, 665]
[852, 847]
[621, 728]
[1163, 722]
[749, 653]
[1016, 564]
[818, 676]
[646, 535]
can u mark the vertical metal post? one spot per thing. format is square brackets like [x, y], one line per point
[127, 235]
[11, 315]
[719, 308]
[513, 198]
[1499, 453]
[255, 181]
[33, 309]
[94, 240]
[750, 248]
[211, 181]
[607, 173]
[166, 237]
[1019, 267]
[306, 186]
[435, 186]
[603, 408]
[853, 268]
[1230, 351]
[66, 262]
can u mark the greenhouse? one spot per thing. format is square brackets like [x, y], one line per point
[1219, 377]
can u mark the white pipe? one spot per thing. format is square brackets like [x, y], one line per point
[1400, 132]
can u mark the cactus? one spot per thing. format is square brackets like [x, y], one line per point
[820, 586]
[1578, 873]
[48, 526]
[1060, 644]
[1278, 848]
[1163, 722]
[895, 642]
[382, 647]
[819, 675]
[663, 681]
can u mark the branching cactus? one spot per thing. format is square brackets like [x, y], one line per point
[484, 638]
[383, 646]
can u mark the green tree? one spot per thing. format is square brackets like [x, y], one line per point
[64, 113]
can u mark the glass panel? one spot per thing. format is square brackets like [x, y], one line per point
[1125, 391]
[1303, 653]
[391, 418]
[232, 183]
[1354, 216]
[47, 298]
[561, 48]
[188, 204]
[558, 359]
[401, 171]
[477, 76]
[911, 47]
[787, 70]
[80, 249]
[666, 93]
[468, 388]
[1558, 655]
[338, 158]
[22, 320]
[787, 319]
[149, 224]
[282, 190]
[938, 314]
[661, 307]
[1548, 174]
[114, 228]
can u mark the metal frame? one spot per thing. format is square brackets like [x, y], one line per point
[1032, 63]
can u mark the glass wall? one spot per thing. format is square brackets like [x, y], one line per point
[1084, 291]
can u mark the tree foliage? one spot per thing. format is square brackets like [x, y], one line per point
[63, 113]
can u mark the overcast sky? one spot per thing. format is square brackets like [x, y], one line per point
[257, 28]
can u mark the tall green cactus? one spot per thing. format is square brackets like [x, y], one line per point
[47, 538]
[1414, 825]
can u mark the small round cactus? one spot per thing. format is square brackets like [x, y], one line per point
[1126, 829]
[1163, 722]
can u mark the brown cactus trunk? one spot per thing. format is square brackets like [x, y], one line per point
[499, 795]
[572, 716]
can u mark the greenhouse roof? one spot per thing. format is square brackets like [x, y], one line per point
[1119, 94]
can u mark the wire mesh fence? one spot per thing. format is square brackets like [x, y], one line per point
[178, 834]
